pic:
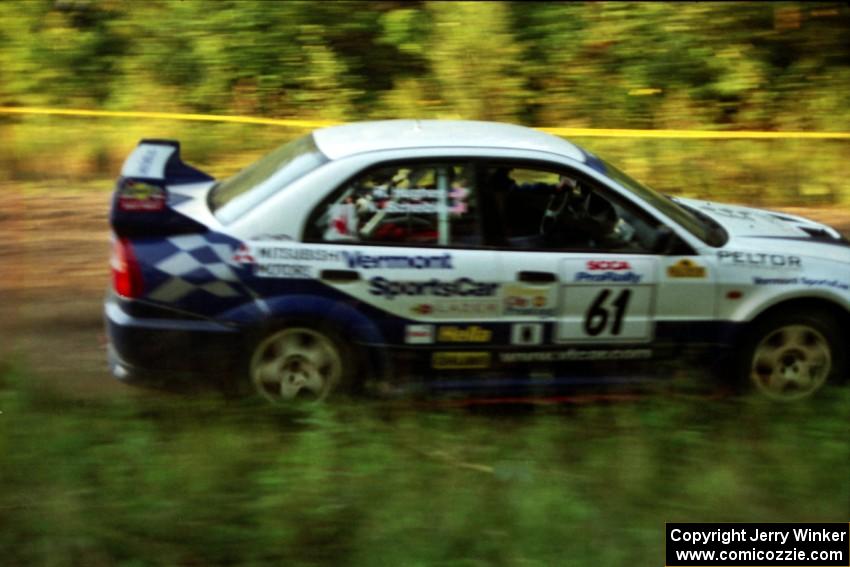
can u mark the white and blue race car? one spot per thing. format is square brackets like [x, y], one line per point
[463, 257]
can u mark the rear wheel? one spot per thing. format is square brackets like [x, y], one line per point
[792, 356]
[298, 363]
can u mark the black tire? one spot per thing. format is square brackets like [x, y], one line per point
[792, 355]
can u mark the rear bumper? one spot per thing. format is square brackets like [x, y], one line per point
[165, 351]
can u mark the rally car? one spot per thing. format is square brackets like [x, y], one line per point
[457, 256]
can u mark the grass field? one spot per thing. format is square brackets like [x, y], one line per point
[204, 481]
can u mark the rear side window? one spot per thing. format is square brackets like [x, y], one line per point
[233, 197]
[413, 204]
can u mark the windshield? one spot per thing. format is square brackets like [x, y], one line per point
[235, 196]
[699, 226]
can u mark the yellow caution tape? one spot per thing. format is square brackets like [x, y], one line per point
[311, 124]
[696, 134]
[167, 116]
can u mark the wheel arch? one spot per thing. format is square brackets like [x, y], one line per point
[808, 303]
[789, 311]
[341, 319]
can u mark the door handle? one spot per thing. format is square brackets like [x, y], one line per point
[537, 277]
[341, 276]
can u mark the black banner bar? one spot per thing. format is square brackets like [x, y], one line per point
[758, 545]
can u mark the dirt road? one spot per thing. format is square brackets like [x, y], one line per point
[54, 270]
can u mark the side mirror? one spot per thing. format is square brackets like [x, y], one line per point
[665, 241]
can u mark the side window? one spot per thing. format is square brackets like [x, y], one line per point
[414, 204]
[530, 208]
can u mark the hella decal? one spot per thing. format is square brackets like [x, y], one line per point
[464, 287]
[471, 334]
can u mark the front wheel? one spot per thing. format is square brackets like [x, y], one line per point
[791, 356]
[297, 363]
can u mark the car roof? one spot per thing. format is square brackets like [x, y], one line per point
[358, 137]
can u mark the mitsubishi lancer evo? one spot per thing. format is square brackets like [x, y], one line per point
[463, 257]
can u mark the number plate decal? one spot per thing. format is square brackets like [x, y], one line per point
[607, 300]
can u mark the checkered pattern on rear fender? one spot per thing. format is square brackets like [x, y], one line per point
[194, 265]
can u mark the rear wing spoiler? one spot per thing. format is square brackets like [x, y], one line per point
[141, 203]
[159, 161]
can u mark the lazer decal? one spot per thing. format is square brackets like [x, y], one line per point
[461, 308]
[573, 354]
[686, 268]
[137, 196]
[759, 260]
[471, 334]
[526, 334]
[464, 287]
[529, 300]
[460, 360]
[419, 334]
[366, 261]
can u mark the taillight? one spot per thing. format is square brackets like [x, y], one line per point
[126, 274]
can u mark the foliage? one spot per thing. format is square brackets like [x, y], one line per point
[760, 65]
[697, 65]
[207, 482]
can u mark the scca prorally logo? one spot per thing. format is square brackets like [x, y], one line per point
[366, 261]
[614, 271]
[613, 277]
[461, 287]
[614, 265]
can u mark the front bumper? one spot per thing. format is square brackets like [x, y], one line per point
[161, 351]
